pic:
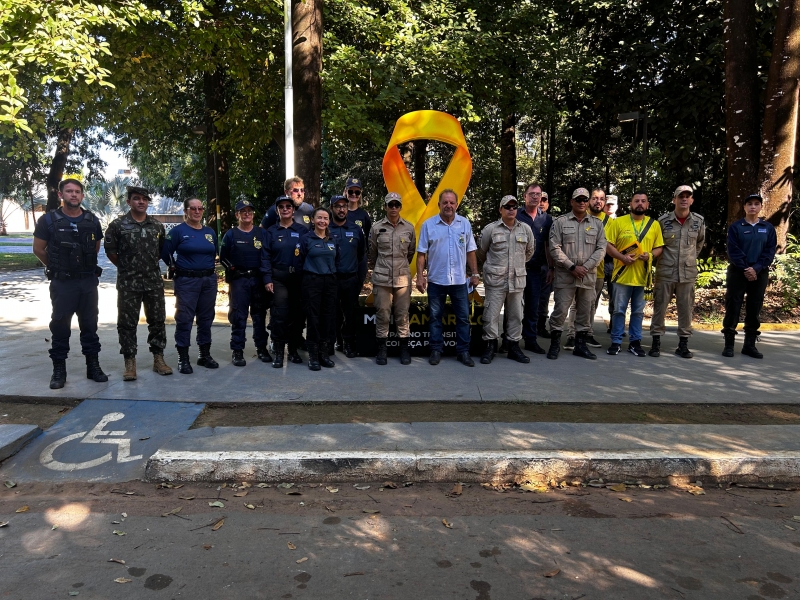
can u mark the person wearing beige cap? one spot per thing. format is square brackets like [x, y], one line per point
[506, 245]
[577, 246]
[392, 242]
[684, 233]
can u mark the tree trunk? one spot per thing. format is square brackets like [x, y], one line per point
[551, 162]
[508, 153]
[742, 118]
[59, 162]
[306, 67]
[420, 154]
[218, 190]
[779, 137]
[541, 155]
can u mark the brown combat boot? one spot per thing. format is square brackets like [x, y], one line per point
[130, 369]
[159, 366]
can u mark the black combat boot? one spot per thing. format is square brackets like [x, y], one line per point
[237, 358]
[730, 337]
[279, 348]
[683, 348]
[204, 358]
[581, 349]
[313, 356]
[555, 345]
[405, 353]
[184, 364]
[749, 348]
[93, 370]
[381, 357]
[503, 348]
[655, 347]
[533, 346]
[325, 356]
[293, 356]
[541, 330]
[489, 352]
[59, 377]
[263, 354]
[515, 353]
[347, 348]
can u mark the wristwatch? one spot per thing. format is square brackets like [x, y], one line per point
[572, 268]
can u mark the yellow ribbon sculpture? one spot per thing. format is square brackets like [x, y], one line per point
[426, 125]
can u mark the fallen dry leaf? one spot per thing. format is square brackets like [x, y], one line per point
[124, 515]
[391, 486]
[697, 491]
[54, 528]
[3, 523]
[244, 484]
[174, 511]
[22, 509]
[207, 546]
[457, 489]
[353, 574]
[301, 560]
[787, 527]
[185, 497]
[626, 499]
[263, 485]
[116, 560]
[123, 580]
[10, 484]
[332, 490]
[217, 504]
[218, 524]
[291, 546]
[118, 532]
[446, 524]
[619, 487]
[240, 495]
[250, 506]
[285, 485]
[539, 488]
[794, 518]
[552, 573]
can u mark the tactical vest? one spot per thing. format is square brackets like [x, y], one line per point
[71, 249]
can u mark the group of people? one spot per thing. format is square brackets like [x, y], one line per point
[307, 266]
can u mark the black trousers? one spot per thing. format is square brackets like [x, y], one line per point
[348, 287]
[738, 287]
[73, 297]
[286, 315]
[319, 303]
[248, 296]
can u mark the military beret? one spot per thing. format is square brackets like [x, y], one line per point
[132, 189]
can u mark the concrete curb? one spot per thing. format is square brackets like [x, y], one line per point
[14, 437]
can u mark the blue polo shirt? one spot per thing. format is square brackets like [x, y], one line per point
[540, 226]
[319, 256]
[196, 249]
[752, 245]
[283, 249]
[446, 247]
[350, 239]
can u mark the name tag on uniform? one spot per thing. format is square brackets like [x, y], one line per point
[348, 234]
[295, 234]
[762, 230]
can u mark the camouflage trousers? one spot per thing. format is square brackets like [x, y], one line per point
[129, 305]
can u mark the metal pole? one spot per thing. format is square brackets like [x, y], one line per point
[644, 150]
[288, 94]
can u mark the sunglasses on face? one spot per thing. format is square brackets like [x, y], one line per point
[298, 191]
[394, 205]
[510, 207]
[354, 193]
[580, 200]
[199, 208]
[285, 207]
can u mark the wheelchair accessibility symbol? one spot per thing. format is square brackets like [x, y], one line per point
[96, 436]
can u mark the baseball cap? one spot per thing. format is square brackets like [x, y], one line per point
[754, 197]
[580, 192]
[283, 199]
[612, 200]
[352, 182]
[508, 199]
[338, 198]
[242, 204]
[682, 188]
[132, 189]
[545, 196]
[392, 197]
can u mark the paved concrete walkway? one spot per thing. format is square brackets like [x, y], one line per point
[25, 314]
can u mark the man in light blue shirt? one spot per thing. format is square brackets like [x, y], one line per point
[447, 245]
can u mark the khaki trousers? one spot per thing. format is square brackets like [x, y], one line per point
[392, 299]
[496, 296]
[570, 322]
[684, 298]
[583, 297]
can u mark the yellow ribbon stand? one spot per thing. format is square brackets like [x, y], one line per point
[426, 125]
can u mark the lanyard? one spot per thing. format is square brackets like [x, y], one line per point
[638, 232]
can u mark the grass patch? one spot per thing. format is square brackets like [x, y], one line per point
[18, 262]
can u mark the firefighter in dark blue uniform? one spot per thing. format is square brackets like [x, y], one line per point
[241, 254]
[358, 215]
[350, 238]
[319, 253]
[67, 241]
[282, 277]
[195, 283]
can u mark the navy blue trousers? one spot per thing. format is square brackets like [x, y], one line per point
[73, 297]
[247, 296]
[194, 299]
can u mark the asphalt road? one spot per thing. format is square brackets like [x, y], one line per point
[574, 543]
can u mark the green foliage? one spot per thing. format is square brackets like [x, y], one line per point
[711, 272]
[107, 199]
[787, 272]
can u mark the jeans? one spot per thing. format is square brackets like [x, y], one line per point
[437, 294]
[624, 294]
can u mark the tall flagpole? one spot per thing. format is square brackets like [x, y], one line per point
[288, 93]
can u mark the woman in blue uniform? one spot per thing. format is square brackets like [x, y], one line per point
[319, 253]
[282, 277]
[241, 255]
[195, 283]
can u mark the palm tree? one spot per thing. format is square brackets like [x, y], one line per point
[106, 198]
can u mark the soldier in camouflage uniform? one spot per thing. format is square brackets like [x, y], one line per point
[133, 243]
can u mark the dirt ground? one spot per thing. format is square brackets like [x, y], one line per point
[250, 415]
[709, 308]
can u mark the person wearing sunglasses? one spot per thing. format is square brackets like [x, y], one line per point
[195, 246]
[506, 245]
[358, 215]
[577, 246]
[295, 190]
[392, 242]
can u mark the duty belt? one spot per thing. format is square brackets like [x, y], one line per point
[237, 274]
[190, 273]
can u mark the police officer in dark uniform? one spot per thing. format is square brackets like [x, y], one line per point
[195, 283]
[67, 241]
[319, 253]
[295, 190]
[356, 214]
[350, 238]
[241, 254]
[282, 277]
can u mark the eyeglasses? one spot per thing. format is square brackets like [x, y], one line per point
[534, 194]
[200, 208]
[510, 207]
[355, 193]
[298, 191]
[284, 206]
[580, 200]
[394, 205]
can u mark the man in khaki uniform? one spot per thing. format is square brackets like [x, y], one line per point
[506, 245]
[684, 233]
[392, 243]
[577, 245]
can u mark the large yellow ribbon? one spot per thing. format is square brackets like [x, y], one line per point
[426, 125]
